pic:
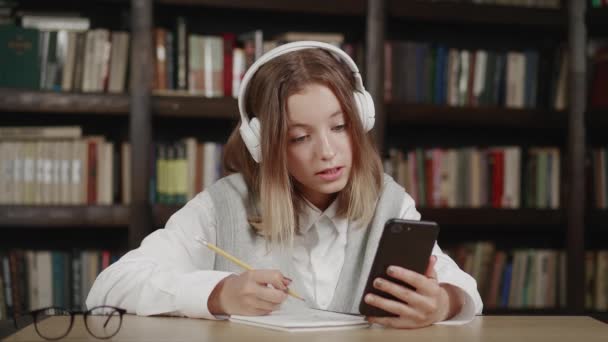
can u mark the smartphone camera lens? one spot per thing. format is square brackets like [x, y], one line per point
[396, 229]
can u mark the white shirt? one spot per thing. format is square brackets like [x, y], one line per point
[162, 277]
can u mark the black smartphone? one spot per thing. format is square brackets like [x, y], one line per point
[403, 243]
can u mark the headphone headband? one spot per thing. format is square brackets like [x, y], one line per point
[250, 127]
[287, 48]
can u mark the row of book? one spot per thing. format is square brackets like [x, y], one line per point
[516, 3]
[35, 279]
[598, 70]
[599, 3]
[600, 177]
[213, 65]
[436, 74]
[183, 169]
[478, 177]
[63, 54]
[530, 278]
[56, 166]
[520, 278]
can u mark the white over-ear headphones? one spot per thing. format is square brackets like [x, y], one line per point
[250, 128]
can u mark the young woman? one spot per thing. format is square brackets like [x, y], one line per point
[307, 199]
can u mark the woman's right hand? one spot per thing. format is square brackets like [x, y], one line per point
[249, 294]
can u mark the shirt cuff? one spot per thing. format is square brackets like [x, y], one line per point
[194, 291]
[467, 312]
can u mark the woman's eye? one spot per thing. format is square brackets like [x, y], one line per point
[299, 139]
[339, 128]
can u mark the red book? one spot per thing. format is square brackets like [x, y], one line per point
[599, 87]
[92, 171]
[105, 259]
[428, 177]
[229, 44]
[160, 59]
[497, 177]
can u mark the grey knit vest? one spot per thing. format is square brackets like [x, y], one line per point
[237, 237]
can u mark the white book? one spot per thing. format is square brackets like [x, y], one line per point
[511, 183]
[44, 279]
[555, 178]
[125, 167]
[453, 77]
[209, 164]
[67, 77]
[118, 62]
[89, 54]
[463, 80]
[303, 320]
[52, 23]
[481, 59]
[516, 69]
[475, 168]
[239, 65]
[32, 279]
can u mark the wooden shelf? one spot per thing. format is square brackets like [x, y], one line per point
[463, 13]
[484, 217]
[424, 114]
[35, 101]
[98, 216]
[17, 100]
[337, 7]
[597, 218]
[597, 118]
[447, 216]
[195, 106]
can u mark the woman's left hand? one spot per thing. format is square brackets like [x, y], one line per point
[426, 304]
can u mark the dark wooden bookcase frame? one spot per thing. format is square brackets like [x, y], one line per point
[141, 107]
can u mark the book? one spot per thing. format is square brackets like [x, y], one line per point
[19, 67]
[304, 319]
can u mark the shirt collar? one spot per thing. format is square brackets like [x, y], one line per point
[310, 215]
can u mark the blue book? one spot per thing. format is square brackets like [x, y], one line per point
[440, 79]
[421, 55]
[506, 285]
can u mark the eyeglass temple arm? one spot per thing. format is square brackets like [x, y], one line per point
[107, 321]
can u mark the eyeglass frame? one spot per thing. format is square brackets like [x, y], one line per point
[73, 313]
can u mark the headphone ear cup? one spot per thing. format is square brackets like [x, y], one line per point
[254, 123]
[251, 137]
[365, 106]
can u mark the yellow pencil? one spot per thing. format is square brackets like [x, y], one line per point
[236, 261]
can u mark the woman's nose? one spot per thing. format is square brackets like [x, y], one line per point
[326, 149]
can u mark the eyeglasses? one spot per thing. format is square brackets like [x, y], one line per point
[102, 322]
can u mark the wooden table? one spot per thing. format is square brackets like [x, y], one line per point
[488, 328]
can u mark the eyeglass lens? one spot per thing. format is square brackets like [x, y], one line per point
[52, 323]
[103, 322]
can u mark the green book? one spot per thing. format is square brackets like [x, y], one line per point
[19, 67]
[541, 180]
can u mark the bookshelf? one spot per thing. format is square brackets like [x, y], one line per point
[472, 14]
[79, 217]
[426, 114]
[143, 107]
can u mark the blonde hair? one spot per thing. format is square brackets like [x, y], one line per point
[270, 185]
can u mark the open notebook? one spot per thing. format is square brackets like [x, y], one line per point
[303, 320]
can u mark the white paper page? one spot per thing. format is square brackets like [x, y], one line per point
[303, 320]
